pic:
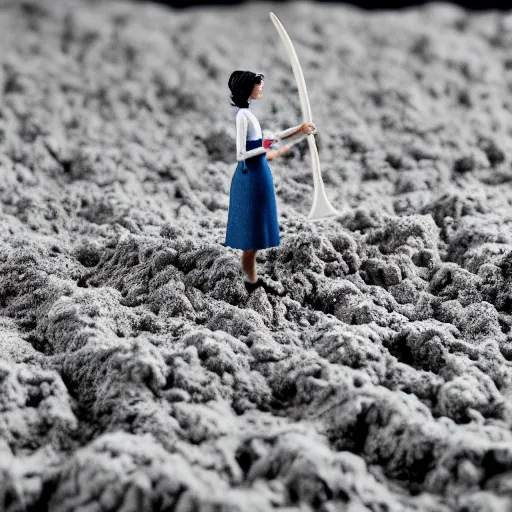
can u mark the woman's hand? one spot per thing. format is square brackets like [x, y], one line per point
[274, 153]
[308, 128]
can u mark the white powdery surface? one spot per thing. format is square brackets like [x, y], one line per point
[371, 368]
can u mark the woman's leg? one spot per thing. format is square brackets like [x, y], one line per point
[249, 263]
[246, 260]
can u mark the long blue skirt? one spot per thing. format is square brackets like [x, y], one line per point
[252, 216]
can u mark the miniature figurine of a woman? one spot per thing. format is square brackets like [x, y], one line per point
[252, 216]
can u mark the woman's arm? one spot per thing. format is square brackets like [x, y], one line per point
[241, 139]
[289, 132]
[304, 128]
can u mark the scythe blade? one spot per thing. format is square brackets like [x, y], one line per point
[321, 206]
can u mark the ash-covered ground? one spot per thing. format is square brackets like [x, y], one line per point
[370, 369]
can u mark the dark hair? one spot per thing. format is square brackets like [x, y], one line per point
[241, 84]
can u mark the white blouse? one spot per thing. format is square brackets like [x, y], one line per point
[248, 128]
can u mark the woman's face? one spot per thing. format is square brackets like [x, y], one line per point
[257, 91]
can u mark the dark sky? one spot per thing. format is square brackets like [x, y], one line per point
[366, 4]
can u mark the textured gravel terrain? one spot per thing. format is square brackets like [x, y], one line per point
[370, 369]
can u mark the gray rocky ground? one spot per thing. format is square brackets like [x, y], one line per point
[371, 368]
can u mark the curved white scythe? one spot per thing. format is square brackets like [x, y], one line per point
[321, 206]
